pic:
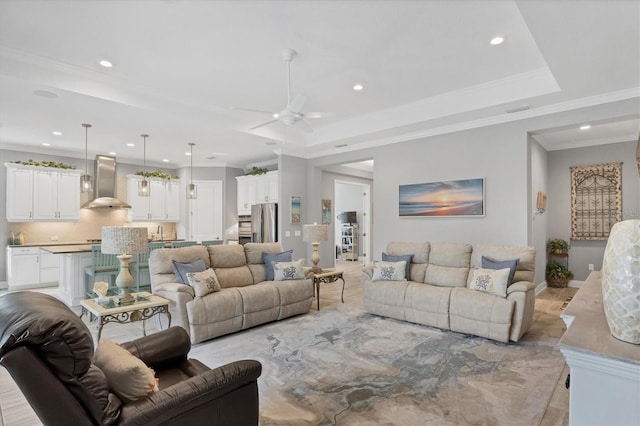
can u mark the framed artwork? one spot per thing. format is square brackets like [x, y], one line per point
[326, 212]
[295, 209]
[458, 198]
[596, 200]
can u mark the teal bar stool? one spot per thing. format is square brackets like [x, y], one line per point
[141, 266]
[183, 244]
[101, 264]
[212, 243]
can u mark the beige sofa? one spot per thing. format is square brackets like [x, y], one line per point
[245, 300]
[437, 294]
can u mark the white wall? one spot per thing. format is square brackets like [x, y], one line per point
[539, 221]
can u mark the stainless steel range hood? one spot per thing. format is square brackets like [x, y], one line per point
[104, 188]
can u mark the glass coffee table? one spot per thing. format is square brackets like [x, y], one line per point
[146, 305]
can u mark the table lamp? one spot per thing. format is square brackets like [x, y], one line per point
[314, 234]
[124, 241]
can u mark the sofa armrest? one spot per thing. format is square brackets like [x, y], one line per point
[521, 286]
[167, 347]
[367, 272]
[211, 394]
[308, 272]
[175, 288]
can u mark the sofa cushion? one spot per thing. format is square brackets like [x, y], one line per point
[204, 282]
[283, 271]
[181, 269]
[234, 277]
[227, 256]
[427, 304]
[492, 281]
[269, 258]
[127, 376]
[481, 314]
[512, 264]
[398, 258]
[253, 251]
[448, 264]
[389, 271]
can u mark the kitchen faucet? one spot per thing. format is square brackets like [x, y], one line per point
[161, 232]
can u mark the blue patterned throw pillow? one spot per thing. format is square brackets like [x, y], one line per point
[512, 264]
[269, 258]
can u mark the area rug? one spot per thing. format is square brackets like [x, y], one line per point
[347, 367]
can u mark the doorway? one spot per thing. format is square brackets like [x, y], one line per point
[355, 197]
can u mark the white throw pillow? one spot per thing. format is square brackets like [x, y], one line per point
[493, 281]
[283, 271]
[204, 282]
[389, 271]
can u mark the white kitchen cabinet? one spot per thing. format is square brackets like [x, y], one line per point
[42, 194]
[205, 212]
[163, 205]
[30, 267]
[256, 189]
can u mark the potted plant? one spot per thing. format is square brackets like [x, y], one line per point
[558, 275]
[558, 245]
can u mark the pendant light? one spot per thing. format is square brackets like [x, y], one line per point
[192, 190]
[86, 182]
[144, 190]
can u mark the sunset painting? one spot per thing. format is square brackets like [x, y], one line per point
[449, 198]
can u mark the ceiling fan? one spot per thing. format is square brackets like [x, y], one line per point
[292, 114]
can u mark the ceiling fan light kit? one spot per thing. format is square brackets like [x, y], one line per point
[292, 114]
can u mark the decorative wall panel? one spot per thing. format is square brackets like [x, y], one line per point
[596, 200]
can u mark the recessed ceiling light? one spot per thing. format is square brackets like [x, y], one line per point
[187, 153]
[496, 41]
[45, 94]
[165, 160]
[276, 115]
[112, 153]
[131, 144]
[57, 133]
[106, 64]
[46, 144]
[585, 127]
[358, 87]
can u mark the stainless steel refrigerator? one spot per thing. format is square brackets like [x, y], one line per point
[264, 223]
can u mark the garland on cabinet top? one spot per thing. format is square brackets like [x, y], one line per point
[157, 174]
[52, 164]
[256, 171]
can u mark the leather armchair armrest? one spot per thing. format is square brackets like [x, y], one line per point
[192, 394]
[167, 347]
[521, 286]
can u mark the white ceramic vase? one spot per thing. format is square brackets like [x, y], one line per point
[621, 281]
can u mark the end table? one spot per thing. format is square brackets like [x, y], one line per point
[327, 276]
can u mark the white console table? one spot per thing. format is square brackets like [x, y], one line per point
[605, 371]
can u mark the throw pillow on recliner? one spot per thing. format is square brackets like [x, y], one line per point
[492, 281]
[512, 264]
[389, 271]
[204, 282]
[269, 258]
[398, 258]
[283, 271]
[181, 269]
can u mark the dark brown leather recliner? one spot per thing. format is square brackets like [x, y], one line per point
[48, 351]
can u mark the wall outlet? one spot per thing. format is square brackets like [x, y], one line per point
[591, 266]
[54, 238]
[296, 233]
[287, 233]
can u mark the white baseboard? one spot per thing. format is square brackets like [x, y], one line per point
[572, 283]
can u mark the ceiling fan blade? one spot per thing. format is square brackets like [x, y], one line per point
[297, 103]
[253, 110]
[318, 114]
[304, 126]
[263, 124]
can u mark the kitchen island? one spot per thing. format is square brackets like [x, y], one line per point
[73, 259]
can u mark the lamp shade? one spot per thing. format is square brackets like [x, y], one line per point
[123, 240]
[314, 233]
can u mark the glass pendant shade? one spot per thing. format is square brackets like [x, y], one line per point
[86, 184]
[192, 191]
[144, 189]
[86, 181]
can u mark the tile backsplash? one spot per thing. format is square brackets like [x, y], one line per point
[89, 227]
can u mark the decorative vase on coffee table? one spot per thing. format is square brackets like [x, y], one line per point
[621, 281]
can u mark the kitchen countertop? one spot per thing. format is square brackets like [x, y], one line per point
[83, 247]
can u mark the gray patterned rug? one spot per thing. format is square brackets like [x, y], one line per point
[348, 367]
